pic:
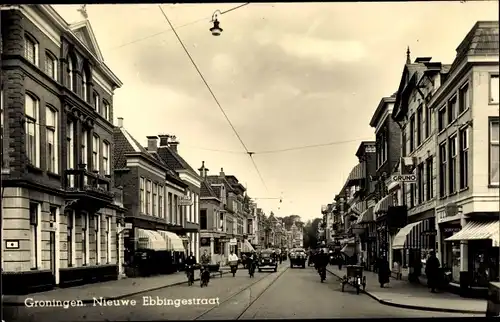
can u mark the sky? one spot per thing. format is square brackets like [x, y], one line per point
[288, 75]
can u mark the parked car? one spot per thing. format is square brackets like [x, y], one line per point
[298, 257]
[267, 261]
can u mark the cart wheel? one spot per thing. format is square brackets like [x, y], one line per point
[357, 288]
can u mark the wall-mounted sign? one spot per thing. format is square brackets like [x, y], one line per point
[404, 178]
[185, 201]
[370, 149]
[128, 225]
[452, 209]
[429, 233]
[451, 229]
[12, 244]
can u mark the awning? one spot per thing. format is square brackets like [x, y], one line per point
[393, 186]
[246, 247]
[479, 230]
[384, 204]
[174, 242]
[366, 216]
[357, 173]
[150, 239]
[357, 208]
[399, 241]
[349, 250]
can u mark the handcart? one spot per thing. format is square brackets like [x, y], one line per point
[354, 277]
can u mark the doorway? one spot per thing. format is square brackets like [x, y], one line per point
[52, 243]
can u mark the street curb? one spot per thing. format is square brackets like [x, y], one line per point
[414, 307]
[91, 301]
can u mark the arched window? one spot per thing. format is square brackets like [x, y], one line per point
[71, 73]
[85, 89]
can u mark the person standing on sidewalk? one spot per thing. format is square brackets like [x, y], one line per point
[384, 271]
[432, 271]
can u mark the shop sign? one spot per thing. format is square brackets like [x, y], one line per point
[233, 242]
[185, 201]
[404, 177]
[451, 229]
[429, 233]
[370, 149]
[452, 209]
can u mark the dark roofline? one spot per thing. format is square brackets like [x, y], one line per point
[380, 109]
[148, 158]
[363, 144]
[175, 180]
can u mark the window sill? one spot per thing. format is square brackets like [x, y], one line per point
[441, 131]
[443, 197]
[460, 114]
[34, 168]
[54, 175]
[452, 194]
[493, 103]
[493, 185]
[34, 269]
[452, 123]
[463, 189]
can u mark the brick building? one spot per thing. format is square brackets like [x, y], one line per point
[60, 222]
[152, 194]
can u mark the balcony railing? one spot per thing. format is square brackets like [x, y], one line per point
[81, 180]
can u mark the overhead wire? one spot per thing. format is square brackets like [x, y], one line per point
[176, 28]
[249, 153]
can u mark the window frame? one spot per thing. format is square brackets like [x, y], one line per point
[428, 115]
[442, 118]
[464, 103]
[155, 199]
[148, 197]
[464, 159]
[161, 201]
[35, 235]
[492, 143]
[50, 57]
[36, 47]
[96, 143]
[70, 149]
[52, 163]
[71, 72]
[452, 164]
[85, 87]
[452, 110]
[443, 168]
[142, 195]
[97, 102]
[97, 237]
[203, 211]
[429, 164]
[105, 110]
[490, 87]
[70, 237]
[108, 239]
[419, 124]
[412, 133]
[106, 151]
[84, 217]
[32, 121]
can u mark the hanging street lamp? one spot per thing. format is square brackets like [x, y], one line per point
[216, 30]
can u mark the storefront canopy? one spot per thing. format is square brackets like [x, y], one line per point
[247, 247]
[384, 204]
[401, 237]
[357, 173]
[349, 250]
[366, 216]
[150, 239]
[173, 241]
[479, 230]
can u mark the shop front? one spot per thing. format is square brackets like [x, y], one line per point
[450, 251]
[368, 238]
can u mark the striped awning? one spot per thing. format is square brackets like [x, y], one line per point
[246, 247]
[349, 250]
[357, 208]
[150, 239]
[401, 238]
[479, 230]
[174, 243]
[357, 173]
[384, 204]
[366, 216]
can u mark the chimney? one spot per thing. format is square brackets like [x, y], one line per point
[173, 143]
[120, 122]
[152, 143]
[163, 140]
[222, 174]
[202, 169]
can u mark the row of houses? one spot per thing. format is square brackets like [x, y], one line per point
[82, 200]
[430, 179]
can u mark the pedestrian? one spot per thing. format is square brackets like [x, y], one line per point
[384, 271]
[432, 271]
[397, 269]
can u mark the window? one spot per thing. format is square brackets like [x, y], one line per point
[71, 74]
[34, 235]
[442, 170]
[171, 208]
[105, 158]
[381, 150]
[97, 103]
[95, 153]
[105, 110]
[203, 219]
[52, 140]
[452, 109]
[428, 113]
[175, 210]
[51, 65]
[442, 118]
[31, 49]
[464, 159]
[190, 215]
[419, 125]
[148, 197]
[494, 152]
[85, 237]
[452, 149]
[84, 147]
[464, 99]
[155, 200]
[142, 195]
[85, 89]
[70, 151]
[108, 239]
[494, 90]
[97, 237]
[420, 183]
[161, 200]
[403, 143]
[412, 133]
[70, 216]
[430, 178]
[31, 109]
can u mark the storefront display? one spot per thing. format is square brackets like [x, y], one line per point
[483, 262]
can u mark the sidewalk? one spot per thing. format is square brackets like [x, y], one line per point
[402, 294]
[111, 290]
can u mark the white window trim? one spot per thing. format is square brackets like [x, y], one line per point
[105, 110]
[491, 87]
[53, 61]
[98, 239]
[36, 111]
[36, 49]
[56, 138]
[197, 210]
[107, 149]
[149, 197]
[95, 150]
[97, 103]
[71, 74]
[87, 237]
[73, 241]
[491, 144]
[154, 187]
[108, 239]
[38, 230]
[161, 202]
[85, 88]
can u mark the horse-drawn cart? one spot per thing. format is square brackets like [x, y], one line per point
[354, 277]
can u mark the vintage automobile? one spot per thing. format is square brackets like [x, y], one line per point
[298, 257]
[267, 261]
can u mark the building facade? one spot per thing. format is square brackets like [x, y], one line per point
[467, 126]
[60, 224]
[151, 193]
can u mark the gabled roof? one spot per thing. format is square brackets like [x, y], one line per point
[175, 161]
[206, 191]
[382, 105]
[218, 180]
[83, 30]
